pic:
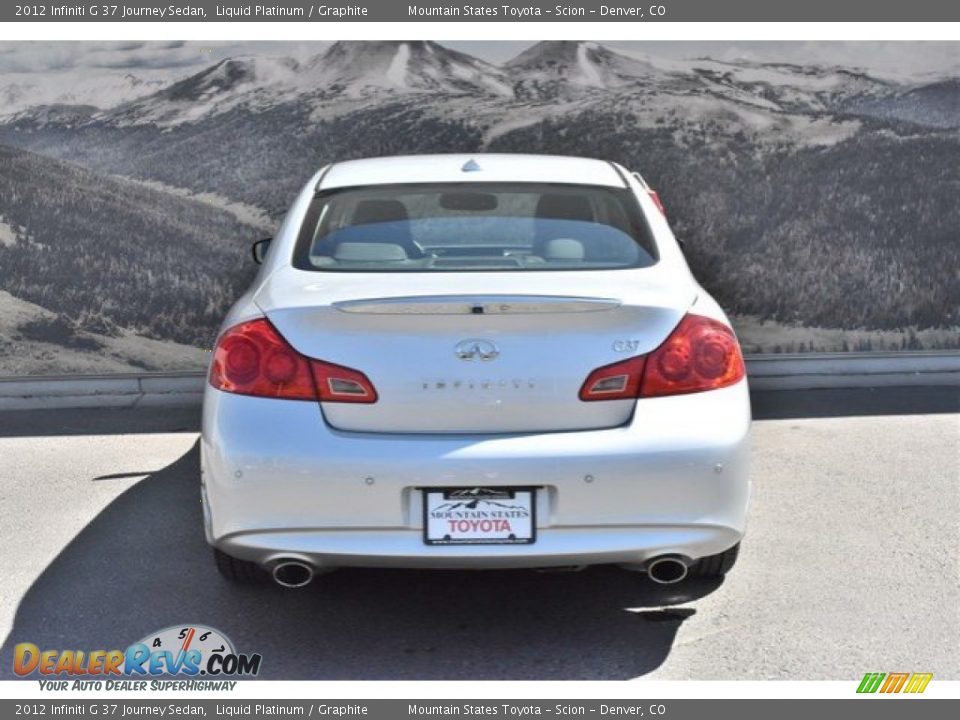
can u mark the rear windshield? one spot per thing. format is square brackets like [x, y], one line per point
[474, 227]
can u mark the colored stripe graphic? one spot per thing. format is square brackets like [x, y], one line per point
[870, 682]
[918, 683]
[894, 682]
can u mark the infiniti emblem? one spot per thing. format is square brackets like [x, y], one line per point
[476, 349]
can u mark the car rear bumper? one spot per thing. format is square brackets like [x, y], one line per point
[555, 547]
[278, 482]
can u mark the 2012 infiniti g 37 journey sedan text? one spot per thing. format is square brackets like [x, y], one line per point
[475, 362]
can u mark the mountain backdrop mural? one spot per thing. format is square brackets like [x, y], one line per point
[820, 204]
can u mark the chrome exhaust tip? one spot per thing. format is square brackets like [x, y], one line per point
[667, 570]
[292, 573]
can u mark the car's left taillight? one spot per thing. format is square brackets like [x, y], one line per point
[252, 358]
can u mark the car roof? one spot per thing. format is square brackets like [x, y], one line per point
[479, 167]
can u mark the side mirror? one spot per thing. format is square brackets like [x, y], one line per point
[260, 250]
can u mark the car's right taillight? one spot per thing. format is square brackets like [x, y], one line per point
[619, 381]
[655, 196]
[252, 358]
[700, 354]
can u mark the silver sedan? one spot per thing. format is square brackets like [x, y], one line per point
[478, 361]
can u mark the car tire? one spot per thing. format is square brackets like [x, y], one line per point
[236, 570]
[715, 566]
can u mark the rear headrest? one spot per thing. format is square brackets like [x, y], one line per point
[563, 249]
[564, 207]
[378, 211]
[369, 252]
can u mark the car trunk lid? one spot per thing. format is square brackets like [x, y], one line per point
[501, 354]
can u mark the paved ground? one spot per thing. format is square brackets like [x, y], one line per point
[851, 563]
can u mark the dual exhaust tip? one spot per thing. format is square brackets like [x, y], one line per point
[667, 569]
[664, 570]
[291, 573]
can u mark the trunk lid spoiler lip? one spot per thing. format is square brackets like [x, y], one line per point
[477, 304]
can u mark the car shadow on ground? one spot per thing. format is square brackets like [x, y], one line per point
[854, 402]
[142, 564]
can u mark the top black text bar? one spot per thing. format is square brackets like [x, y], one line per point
[485, 11]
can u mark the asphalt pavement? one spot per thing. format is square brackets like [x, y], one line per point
[851, 563]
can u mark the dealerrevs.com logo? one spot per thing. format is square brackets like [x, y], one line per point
[189, 651]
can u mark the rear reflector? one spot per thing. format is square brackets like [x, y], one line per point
[700, 354]
[252, 358]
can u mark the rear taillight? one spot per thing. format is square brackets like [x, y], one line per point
[620, 381]
[655, 196]
[252, 358]
[700, 354]
[336, 383]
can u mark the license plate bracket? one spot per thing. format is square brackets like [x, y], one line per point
[479, 515]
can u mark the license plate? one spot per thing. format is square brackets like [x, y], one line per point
[479, 516]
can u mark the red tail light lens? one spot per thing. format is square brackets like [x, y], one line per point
[700, 354]
[252, 358]
[340, 384]
[655, 196]
[620, 381]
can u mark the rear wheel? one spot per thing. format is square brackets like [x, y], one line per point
[237, 570]
[715, 565]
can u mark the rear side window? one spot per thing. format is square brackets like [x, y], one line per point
[474, 227]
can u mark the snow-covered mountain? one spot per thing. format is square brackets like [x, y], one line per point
[788, 87]
[568, 69]
[546, 78]
[776, 103]
[355, 67]
[349, 71]
[256, 82]
[779, 104]
[553, 69]
[21, 91]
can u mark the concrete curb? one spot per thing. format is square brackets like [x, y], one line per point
[766, 372]
[121, 390]
[851, 370]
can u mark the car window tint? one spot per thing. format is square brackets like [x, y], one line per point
[475, 226]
